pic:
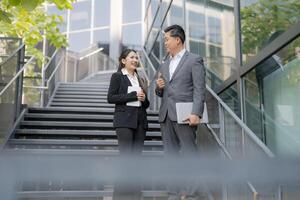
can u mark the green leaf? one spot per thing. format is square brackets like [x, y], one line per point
[29, 4]
[5, 17]
[14, 2]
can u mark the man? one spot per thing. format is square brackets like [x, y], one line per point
[180, 79]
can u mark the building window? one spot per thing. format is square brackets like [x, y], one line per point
[80, 16]
[102, 13]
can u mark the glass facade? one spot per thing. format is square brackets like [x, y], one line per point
[210, 31]
[90, 23]
[232, 36]
[271, 100]
[262, 21]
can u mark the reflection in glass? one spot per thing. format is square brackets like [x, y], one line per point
[271, 100]
[230, 97]
[154, 6]
[262, 21]
[175, 14]
[132, 10]
[102, 13]
[132, 36]
[79, 41]
[101, 37]
[80, 16]
[210, 27]
[214, 31]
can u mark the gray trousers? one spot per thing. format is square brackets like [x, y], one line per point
[178, 138]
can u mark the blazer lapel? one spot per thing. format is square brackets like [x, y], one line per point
[127, 80]
[167, 64]
[180, 64]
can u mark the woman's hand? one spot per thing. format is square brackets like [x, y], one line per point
[141, 96]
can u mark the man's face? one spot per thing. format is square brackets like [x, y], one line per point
[171, 43]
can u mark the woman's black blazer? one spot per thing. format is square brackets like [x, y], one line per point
[125, 116]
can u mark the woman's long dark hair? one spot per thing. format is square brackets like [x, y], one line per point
[123, 55]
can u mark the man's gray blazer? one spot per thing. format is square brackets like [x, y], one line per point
[187, 85]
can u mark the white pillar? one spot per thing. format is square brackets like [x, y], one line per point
[115, 28]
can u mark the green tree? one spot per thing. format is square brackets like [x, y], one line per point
[261, 21]
[28, 20]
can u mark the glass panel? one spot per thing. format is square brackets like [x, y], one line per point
[233, 136]
[230, 97]
[132, 10]
[80, 16]
[153, 34]
[132, 36]
[102, 38]
[262, 21]
[8, 71]
[54, 10]
[175, 14]
[210, 30]
[7, 47]
[7, 109]
[79, 41]
[271, 100]
[152, 11]
[102, 13]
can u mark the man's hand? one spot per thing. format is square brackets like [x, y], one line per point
[160, 81]
[193, 120]
[141, 96]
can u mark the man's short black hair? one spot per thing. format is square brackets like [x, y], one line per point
[176, 31]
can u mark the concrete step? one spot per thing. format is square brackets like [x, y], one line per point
[61, 89]
[82, 125]
[84, 84]
[75, 152]
[59, 96]
[67, 117]
[77, 104]
[81, 93]
[69, 142]
[79, 110]
[80, 100]
[83, 133]
[84, 194]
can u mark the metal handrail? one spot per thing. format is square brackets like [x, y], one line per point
[50, 60]
[148, 59]
[12, 54]
[241, 123]
[16, 76]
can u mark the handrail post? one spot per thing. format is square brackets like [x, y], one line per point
[19, 83]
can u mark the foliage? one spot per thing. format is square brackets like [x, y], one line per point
[262, 21]
[28, 20]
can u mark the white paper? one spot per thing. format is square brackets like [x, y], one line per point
[136, 89]
[184, 109]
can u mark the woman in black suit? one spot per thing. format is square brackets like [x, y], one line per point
[130, 117]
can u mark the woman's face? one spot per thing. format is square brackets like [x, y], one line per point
[131, 62]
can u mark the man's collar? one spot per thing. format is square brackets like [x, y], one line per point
[179, 54]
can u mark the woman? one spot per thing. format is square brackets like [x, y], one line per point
[130, 117]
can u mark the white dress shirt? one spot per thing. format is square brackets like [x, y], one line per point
[132, 78]
[175, 61]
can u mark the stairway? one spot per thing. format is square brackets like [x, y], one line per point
[77, 120]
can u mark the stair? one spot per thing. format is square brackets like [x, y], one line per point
[78, 118]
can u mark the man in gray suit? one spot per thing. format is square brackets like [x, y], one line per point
[181, 78]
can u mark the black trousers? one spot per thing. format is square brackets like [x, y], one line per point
[131, 142]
